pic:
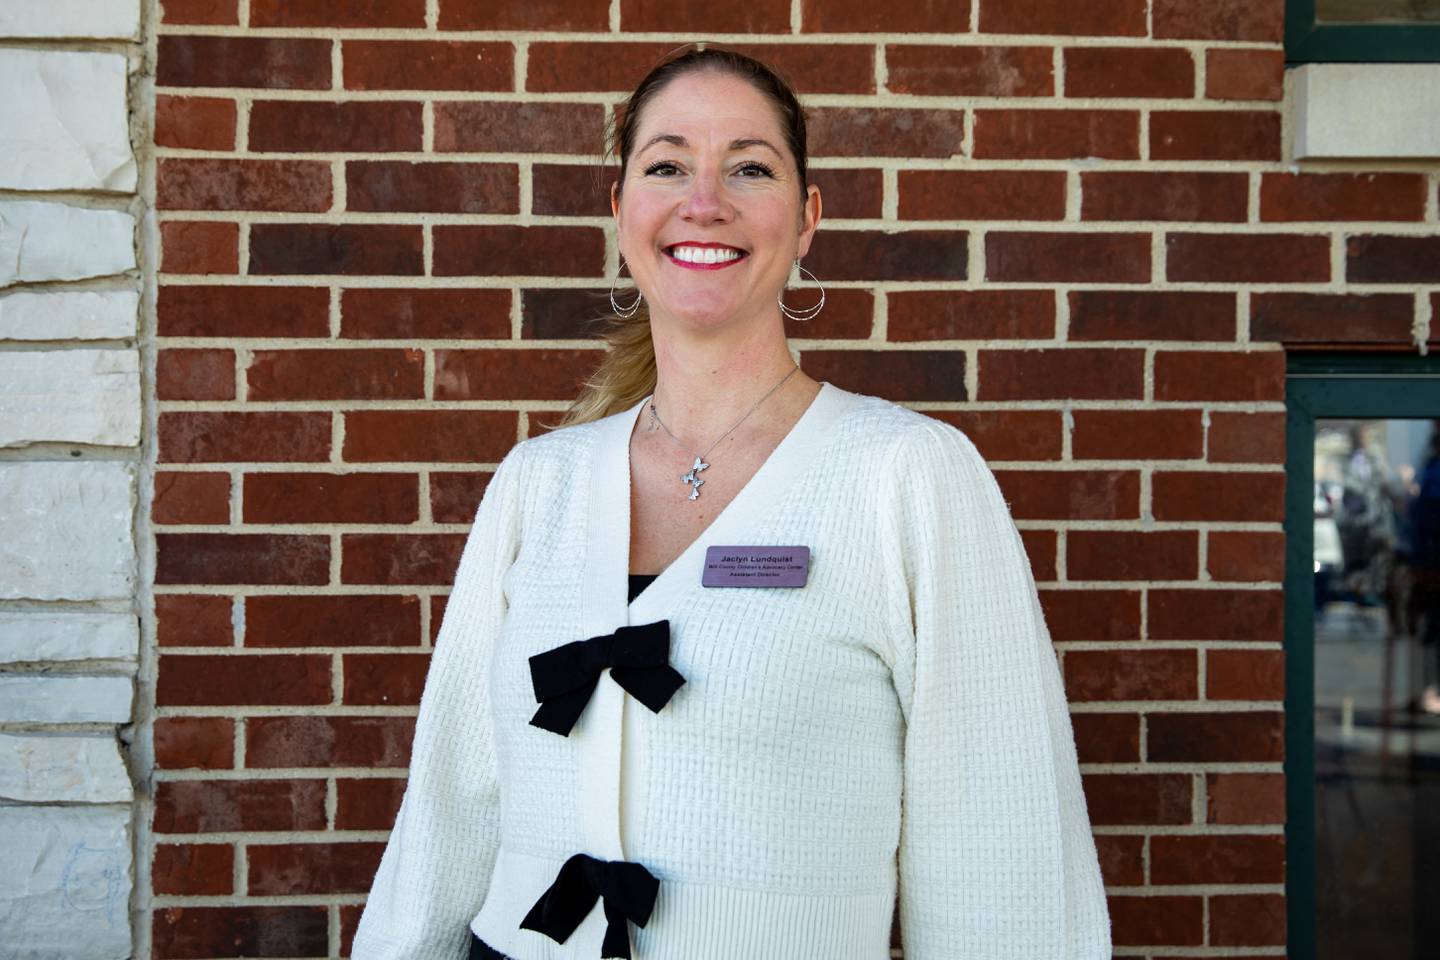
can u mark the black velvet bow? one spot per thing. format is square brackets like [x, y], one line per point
[638, 658]
[627, 889]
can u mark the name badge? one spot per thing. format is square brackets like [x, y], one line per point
[756, 566]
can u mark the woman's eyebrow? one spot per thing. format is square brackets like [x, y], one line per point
[674, 139]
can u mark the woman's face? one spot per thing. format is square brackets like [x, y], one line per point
[710, 216]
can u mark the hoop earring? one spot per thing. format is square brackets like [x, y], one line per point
[808, 313]
[624, 312]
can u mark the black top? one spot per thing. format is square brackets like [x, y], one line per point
[639, 581]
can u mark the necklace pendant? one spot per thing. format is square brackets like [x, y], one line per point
[693, 480]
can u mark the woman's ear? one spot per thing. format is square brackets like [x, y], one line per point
[809, 219]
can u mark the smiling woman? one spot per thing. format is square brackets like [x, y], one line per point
[830, 687]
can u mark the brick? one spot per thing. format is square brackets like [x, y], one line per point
[565, 313]
[266, 62]
[1332, 317]
[504, 249]
[438, 314]
[1215, 615]
[1167, 72]
[428, 436]
[428, 65]
[384, 558]
[348, 249]
[193, 620]
[1256, 258]
[1101, 18]
[1061, 373]
[1091, 615]
[1151, 315]
[1259, 20]
[1380, 259]
[1057, 134]
[902, 375]
[349, 925]
[1132, 555]
[384, 679]
[251, 558]
[1116, 675]
[1067, 495]
[1009, 434]
[190, 933]
[1137, 435]
[1326, 197]
[219, 184]
[1257, 376]
[213, 806]
[813, 68]
[205, 743]
[406, 186]
[313, 741]
[1185, 195]
[1023, 256]
[564, 15]
[191, 497]
[969, 71]
[228, 680]
[1178, 860]
[1244, 798]
[193, 869]
[198, 247]
[328, 13]
[982, 194]
[905, 255]
[288, 869]
[529, 374]
[851, 16]
[235, 311]
[1160, 920]
[455, 494]
[201, 374]
[1215, 135]
[1138, 799]
[218, 12]
[886, 132]
[337, 374]
[194, 123]
[328, 620]
[569, 67]
[1249, 737]
[512, 127]
[760, 16]
[1122, 860]
[1245, 674]
[1041, 548]
[1244, 74]
[355, 126]
[1106, 738]
[571, 190]
[849, 193]
[1237, 437]
[331, 498]
[971, 315]
[1247, 920]
[269, 436]
[1211, 495]
[368, 804]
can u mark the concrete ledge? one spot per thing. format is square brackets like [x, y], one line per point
[1366, 110]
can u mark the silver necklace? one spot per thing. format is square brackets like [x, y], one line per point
[692, 478]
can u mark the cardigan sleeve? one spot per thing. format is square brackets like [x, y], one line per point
[435, 870]
[996, 860]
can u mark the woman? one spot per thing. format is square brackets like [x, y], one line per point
[831, 681]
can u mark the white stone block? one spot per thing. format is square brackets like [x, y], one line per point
[36, 698]
[70, 396]
[62, 768]
[65, 889]
[1366, 110]
[79, 19]
[69, 315]
[66, 530]
[61, 635]
[55, 241]
[64, 121]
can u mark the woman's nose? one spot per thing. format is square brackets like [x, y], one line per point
[706, 200]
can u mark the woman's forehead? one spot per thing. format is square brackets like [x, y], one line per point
[708, 108]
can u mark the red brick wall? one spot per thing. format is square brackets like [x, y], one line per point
[1068, 228]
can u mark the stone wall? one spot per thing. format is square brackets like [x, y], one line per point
[70, 433]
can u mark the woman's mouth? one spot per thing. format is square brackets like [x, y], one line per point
[704, 256]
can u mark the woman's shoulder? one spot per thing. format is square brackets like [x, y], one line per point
[896, 432]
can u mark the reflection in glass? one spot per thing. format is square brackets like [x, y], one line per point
[1377, 688]
[1377, 11]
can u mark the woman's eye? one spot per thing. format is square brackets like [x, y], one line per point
[661, 169]
[756, 170]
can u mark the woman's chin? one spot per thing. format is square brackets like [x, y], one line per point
[700, 313]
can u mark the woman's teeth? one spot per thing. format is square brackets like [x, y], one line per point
[704, 254]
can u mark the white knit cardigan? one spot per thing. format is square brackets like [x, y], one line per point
[897, 726]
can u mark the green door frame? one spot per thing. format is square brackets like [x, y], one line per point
[1374, 386]
[1309, 41]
